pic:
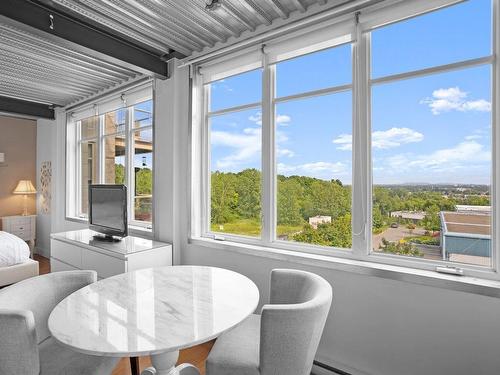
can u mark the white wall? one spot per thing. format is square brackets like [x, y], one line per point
[379, 326]
[51, 146]
[45, 130]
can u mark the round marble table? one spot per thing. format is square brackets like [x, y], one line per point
[154, 311]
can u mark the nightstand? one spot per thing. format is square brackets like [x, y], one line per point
[23, 227]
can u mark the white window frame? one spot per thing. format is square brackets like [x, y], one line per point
[73, 208]
[362, 164]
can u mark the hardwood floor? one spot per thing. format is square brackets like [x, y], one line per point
[195, 355]
[43, 264]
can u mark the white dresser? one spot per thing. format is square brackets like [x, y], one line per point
[79, 250]
[23, 227]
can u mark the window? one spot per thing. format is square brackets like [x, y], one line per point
[235, 155]
[431, 147]
[88, 159]
[114, 147]
[313, 195]
[142, 143]
[371, 139]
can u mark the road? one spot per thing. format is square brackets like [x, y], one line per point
[395, 234]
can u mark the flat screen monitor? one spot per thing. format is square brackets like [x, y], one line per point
[108, 210]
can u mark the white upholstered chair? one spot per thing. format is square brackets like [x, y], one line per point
[26, 346]
[282, 340]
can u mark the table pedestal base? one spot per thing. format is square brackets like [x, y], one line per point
[164, 364]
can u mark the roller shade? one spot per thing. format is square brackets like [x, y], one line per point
[391, 12]
[234, 64]
[310, 40]
[118, 100]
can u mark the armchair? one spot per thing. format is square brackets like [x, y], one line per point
[26, 346]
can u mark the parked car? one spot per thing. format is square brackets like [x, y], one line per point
[394, 225]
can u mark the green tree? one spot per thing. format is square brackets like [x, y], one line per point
[335, 234]
[431, 221]
[400, 248]
[143, 181]
[289, 202]
[377, 218]
[247, 186]
[119, 174]
[224, 197]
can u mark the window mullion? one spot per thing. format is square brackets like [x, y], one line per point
[268, 204]
[361, 186]
[101, 151]
[129, 165]
[206, 173]
[495, 139]
[78, 167]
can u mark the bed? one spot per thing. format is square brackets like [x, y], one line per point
[15, 263]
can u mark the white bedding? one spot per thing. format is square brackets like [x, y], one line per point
[13, 250]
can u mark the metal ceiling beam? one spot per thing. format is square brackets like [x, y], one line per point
[83, 36]
[24, 107]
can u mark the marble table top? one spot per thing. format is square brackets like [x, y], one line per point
[153, 310]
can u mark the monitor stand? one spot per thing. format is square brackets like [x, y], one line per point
[106, 238]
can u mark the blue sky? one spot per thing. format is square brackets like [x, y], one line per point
[432, 129]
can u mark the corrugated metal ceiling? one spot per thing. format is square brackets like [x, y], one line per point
[40, 69]
[37, 69]
[185, 25]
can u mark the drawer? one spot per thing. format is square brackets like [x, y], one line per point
[56, 266]
[20, 227]
[67, 253]
[23, 234]
[105, 265]
[20, 221]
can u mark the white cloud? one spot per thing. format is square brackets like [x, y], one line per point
[247, 145]
[285, 152]
[473, 137]
[283, 120]
[468, 151]
[383, 139]
[454, 99]
[257, 118]
[345, 142]
[320, 169]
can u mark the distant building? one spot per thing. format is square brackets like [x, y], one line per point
[414, 216]
[466, 236]
[316, 220]
[462, 208]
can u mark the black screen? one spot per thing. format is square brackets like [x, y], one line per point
[107, 208]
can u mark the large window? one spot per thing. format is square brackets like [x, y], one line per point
[115, 147]
[372, 138]
[431, 146]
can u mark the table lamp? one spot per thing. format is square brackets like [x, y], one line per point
[25, 187]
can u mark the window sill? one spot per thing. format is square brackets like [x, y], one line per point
[467, 284]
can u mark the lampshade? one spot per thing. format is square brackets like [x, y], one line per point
[24, 187]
